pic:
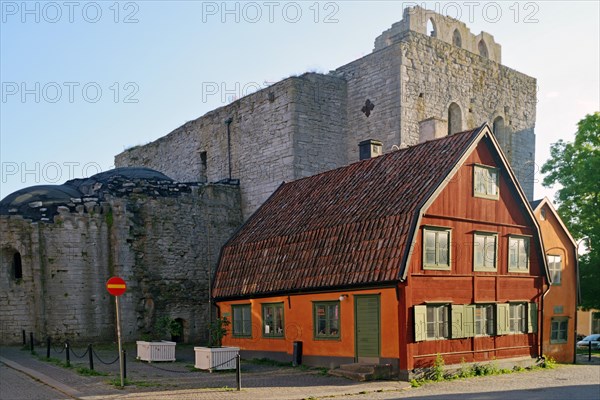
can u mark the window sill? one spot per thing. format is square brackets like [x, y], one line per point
[436, 268]
[485, 196]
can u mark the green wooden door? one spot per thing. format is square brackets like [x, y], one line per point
[367, 329]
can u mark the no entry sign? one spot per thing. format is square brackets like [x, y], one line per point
[116, 286]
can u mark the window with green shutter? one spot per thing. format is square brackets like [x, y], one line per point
[432, 322]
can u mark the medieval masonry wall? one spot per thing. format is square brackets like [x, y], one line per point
[309, 124]
[161, 236]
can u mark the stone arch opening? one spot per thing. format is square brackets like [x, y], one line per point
[498, 126]
[483, 50]
[12, 263]
[431, 29]
[456, 38]
[454, 119]
[182, 330]
[17, 266]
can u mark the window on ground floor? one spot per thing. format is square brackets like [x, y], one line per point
[558, 330]
[242, 323]
[273, 320]
[484, 319]
[327, 319]
[431, 322]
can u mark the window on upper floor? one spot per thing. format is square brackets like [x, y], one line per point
[518, 254]
[555, 267]
[242, 322]
[327, 319]
[431, 322]
[436, 248]
[430, 29]
[484, 251]
[483, 50]
[273, 320]
[559, 330]
[456, 39]
[485, 182]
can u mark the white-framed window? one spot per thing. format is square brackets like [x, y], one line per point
[559, 330]
[518, 254]
[484, 251]
[431, 322]
[517, 322]
[485, 182]
[242, 323]
[555, 267]
[485, 321]
[436, 248]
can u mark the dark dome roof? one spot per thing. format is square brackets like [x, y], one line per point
[25, 200]
[124, 172]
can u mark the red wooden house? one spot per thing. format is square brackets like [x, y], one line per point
[431, 249]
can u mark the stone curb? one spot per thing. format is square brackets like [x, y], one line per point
[61, 387]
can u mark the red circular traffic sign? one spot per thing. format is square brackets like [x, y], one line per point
[116, 286]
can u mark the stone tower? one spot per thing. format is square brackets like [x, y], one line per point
[308, 124]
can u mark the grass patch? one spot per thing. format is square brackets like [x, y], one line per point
[436, 373]
[117, 383]
[269, 362]
[90, 372]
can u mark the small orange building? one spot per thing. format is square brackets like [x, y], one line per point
[561, 298]
[431, 249]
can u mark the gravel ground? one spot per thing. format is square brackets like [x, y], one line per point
[576, 382]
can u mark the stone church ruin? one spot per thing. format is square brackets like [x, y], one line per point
[161, 217]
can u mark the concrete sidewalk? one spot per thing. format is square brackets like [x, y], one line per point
[178, 381]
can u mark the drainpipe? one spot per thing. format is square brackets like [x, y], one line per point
[228, 122]
[543, 319]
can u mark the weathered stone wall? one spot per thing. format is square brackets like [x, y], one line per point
[435, 74]
[376, 78]
[289, 130]
[308, 124]
[164, 246]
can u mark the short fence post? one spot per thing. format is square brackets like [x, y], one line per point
[124, 364]
[31, 341]
[590, 350]
[24, 338]
[68, 355]
[91, 355]
[238, 371]
[48, 344]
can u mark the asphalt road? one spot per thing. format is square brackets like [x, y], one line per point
[15, 385]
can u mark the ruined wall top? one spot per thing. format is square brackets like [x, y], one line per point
[443, 28]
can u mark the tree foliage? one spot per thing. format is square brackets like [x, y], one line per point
[575, 167]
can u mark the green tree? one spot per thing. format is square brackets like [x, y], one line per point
[575, 167]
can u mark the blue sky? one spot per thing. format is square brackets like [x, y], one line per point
[82, 81]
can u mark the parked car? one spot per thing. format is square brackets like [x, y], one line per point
[585, 343]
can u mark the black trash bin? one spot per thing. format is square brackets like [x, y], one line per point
[297, 355]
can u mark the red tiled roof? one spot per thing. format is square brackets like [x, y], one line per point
[341, 228]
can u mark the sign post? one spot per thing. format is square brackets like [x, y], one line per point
[116, 286]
